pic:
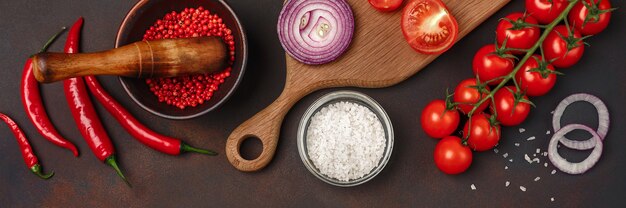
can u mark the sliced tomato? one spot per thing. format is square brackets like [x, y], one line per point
[428, 26]
[385, 5]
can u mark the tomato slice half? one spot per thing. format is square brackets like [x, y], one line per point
[385, 5]
[428, 26]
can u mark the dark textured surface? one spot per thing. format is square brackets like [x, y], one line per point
[410, 179]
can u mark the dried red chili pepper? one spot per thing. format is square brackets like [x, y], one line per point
[161, 143]
[27, 151]
[83, 110]
[36, 111]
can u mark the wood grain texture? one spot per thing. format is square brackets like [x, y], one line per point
[378, 57]
[142, 59]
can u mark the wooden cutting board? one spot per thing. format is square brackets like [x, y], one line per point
[378, 57]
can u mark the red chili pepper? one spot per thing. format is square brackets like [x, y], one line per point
[161, 143]
[83, 110]
[27, 151]
[36, 111]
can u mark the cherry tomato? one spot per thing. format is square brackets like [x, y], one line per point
[428, 26]
[385, 5]
[484, 133]
[533, 82]
[565, 52]
[452, 157]
[545, 11]
[465, 94]
[598, 15]
[489, 64]
[518, 37]
[438, 120]
[511, 107]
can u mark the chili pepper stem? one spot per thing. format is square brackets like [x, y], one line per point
[113, 163]
[187, 148]
[52, 39]
[37, 170]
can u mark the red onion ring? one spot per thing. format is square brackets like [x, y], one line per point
[603, 118]
[315, 31]
[569, 167]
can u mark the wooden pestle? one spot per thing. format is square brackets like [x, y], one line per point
[143, 59]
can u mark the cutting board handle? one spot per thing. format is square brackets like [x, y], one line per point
[265, 126]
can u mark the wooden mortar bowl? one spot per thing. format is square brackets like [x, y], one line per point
[142, 16]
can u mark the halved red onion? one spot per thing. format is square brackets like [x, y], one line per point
[569, 167]
[315, 31]
[603, 118]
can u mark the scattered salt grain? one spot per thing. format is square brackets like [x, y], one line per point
[538, 151]
[495, 150]
[530, 138]
[553, 172]
[534, 155]
[545, 165]
[537, 178]
[511, 160]
[521, 130]
[505, 155]
[473, 187]
[551, 199]
[506, 167]
[527, 158]
[507, 183]
[551, 112]
[345, 140]
[522, 188]
[517, 144]
[545, 154]
[548, 132]
[536, 160]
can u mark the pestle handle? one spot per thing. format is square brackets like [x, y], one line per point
[143, 59]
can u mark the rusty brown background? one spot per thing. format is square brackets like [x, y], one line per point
[410, 179]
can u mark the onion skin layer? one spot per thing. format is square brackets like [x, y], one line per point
[603, 119]
[569, 167]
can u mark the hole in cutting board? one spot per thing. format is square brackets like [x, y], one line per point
[251, 148]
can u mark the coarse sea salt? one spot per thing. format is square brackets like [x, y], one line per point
[522, 188]
[345, 140]
[473, 187]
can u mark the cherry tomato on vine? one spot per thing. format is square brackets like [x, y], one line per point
[490, 63]
[590, 17]
[484, 132]
[428, 26]
[451, 156]
[385, 5]
[466, 94]
[517, 34]
[511, 106]
[439, 119]
[545, 11]
[536, 77]
[563, 46]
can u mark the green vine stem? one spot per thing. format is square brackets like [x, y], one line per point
[548, 28]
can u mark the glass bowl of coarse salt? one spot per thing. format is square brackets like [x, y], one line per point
[345, 138]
